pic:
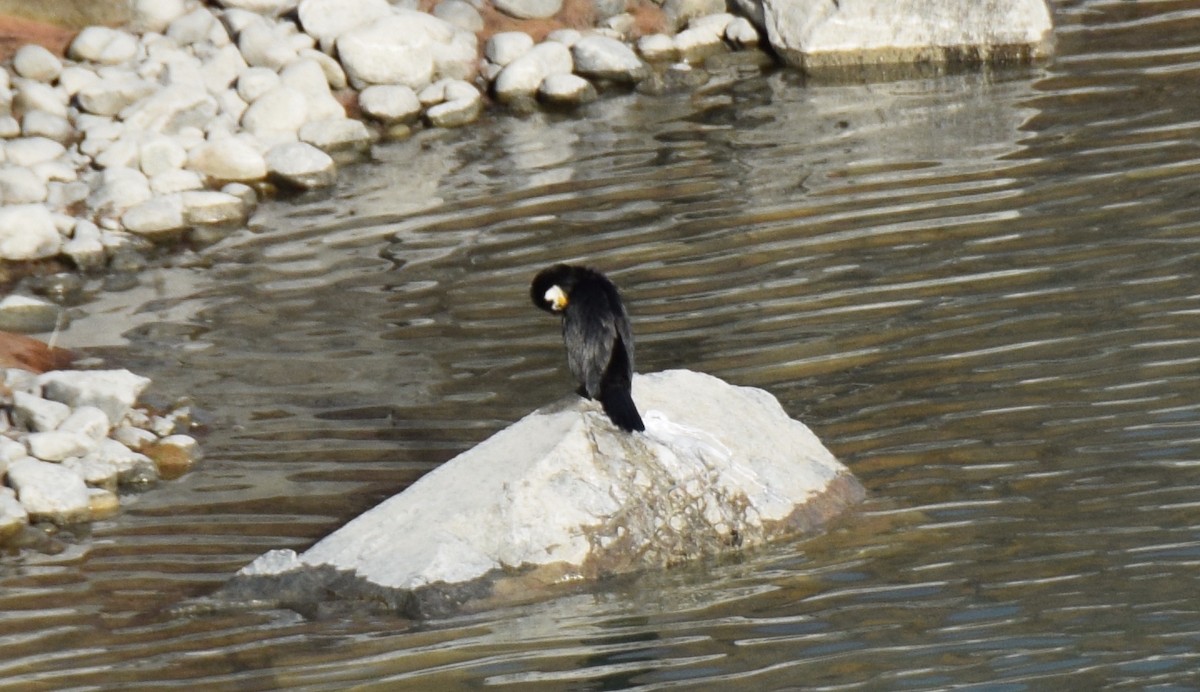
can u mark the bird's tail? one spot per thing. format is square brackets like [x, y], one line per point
[618, 404]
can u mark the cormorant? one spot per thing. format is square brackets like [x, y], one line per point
[597, 336]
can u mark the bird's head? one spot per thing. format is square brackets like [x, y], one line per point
[551, 288]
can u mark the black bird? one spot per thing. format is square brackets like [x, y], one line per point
[597, 336]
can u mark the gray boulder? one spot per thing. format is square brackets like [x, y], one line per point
[826, 33]
[562, 495]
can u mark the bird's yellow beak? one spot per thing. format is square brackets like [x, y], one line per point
[557, 299]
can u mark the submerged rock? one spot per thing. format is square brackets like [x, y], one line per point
[562, 495]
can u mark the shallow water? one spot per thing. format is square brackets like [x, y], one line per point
[979, 290]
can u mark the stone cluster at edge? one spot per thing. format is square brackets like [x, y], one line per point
[145, 133]
[72, 440]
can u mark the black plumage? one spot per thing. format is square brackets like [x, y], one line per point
[597, 335]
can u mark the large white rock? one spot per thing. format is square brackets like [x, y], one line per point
[563, 495]
[523, 76]
[111, 391]
[49, 491]
[27, 232]
[407, 47]
[855, 32]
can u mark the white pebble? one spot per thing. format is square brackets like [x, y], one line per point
[35, 62]
[48, 491]
[87, 420]
[56, 445]
[17, 186]
[301, 165]
[38, 414]
[157, 215]
[27, 232]
[390, 103]
[228, 159]
[256, 81]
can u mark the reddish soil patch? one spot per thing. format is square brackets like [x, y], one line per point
[16, 32]
[27, 353]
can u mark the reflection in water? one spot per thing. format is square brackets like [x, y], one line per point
[979, 290]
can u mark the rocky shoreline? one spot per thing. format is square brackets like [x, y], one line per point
[72, 440]
[179, 122]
